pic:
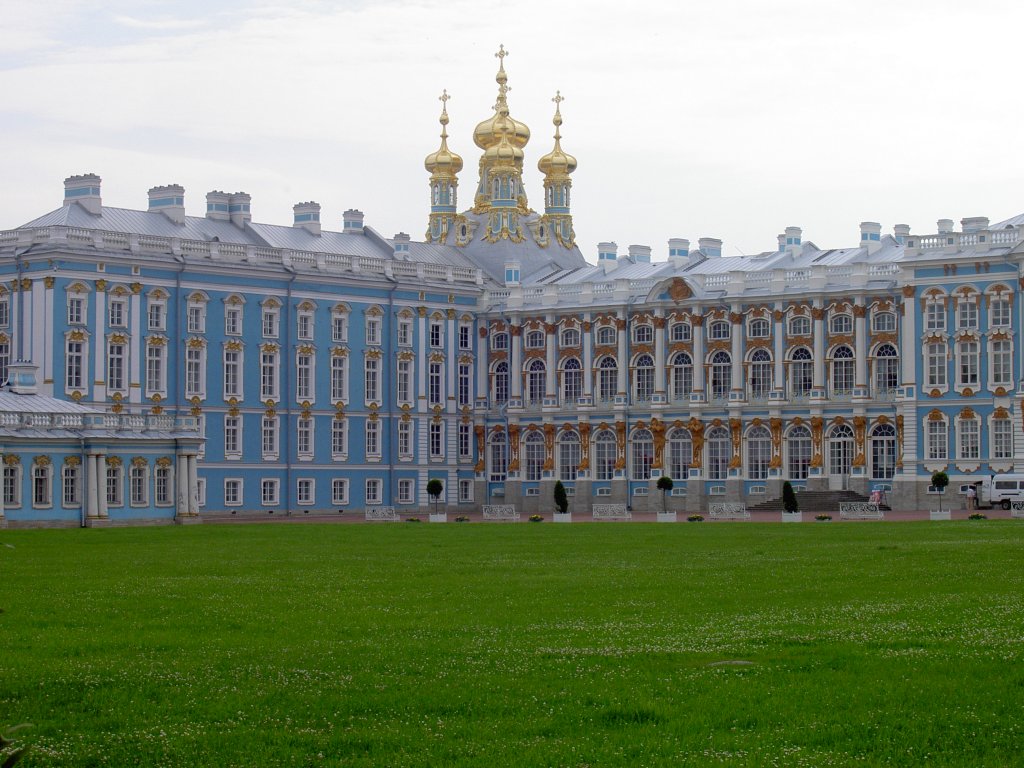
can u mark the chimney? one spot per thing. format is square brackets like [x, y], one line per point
[794, 239]
[607, 256]
[353, 222]
[871, 235]
[678, 252]
[401, 241]
[710, 246]
[170, 201]
[21, 378]
[944, 226]
[640, 254]
[974, 223]
[84, 190]
[217, 205]
[307, 216]
[782, 243]
[239, 209]
[901, 232]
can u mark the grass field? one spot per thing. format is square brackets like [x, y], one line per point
[506, 645]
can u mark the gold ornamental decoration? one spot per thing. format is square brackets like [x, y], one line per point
[549, 447]
[679, 291]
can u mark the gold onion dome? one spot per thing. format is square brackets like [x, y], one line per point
[489, 132]
[443, 160]
[556, 161]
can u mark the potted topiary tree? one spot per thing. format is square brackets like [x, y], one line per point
[790, 506]
[665, 485]
[434, 489]
[939, 481]
[562, 513]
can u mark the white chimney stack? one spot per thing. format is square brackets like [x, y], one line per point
[84, 190]
[944, 226]
[640, 254]
[871, 235]
[901, 232]
[679, 251]
[353, 222]
[217, 205]
[974, 223]
[710, 246]
[307, 216]
[401, 241]
[607, 256]
[168, 200]
[239, 209]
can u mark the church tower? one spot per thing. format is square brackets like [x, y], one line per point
[556, 166]
[444, 166]
[500, 194]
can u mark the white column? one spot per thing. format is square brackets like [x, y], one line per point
[737, 347]
[909, 352]
[515, 369]
[99, 365]
[588, 357]
[47, 323]
[819, 346]
[136, 350]
[551, 356]
[181, 470]
[698, 354]
[453, 364]
[482, 365]
[193, 485]
[659, 356]
[92, 501]
[861, 341]
[780, 348]
[101, 485]
[422, 354]
[41, 332]
[16, 325]
[622, 383]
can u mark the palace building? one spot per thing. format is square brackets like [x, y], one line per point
[165, 366]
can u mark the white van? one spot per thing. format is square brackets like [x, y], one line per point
[1000, 490]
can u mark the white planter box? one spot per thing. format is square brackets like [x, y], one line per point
[666, 517]
[440, 517]
[792, 517]
[560, 518]
[936, 514]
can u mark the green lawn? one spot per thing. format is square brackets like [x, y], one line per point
[505, 645]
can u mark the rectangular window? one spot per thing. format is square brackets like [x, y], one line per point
[465, 374]
[970, 438]
[435, 334]
[966, 315]
[138, 486]
[434, 384]
[405, 439]
[304, 331]
[403, 381]
[436, 440]
[372, 381]
[465, 337]
[76, 310]
[196, 318]
[372, 330]
[233, 321]
[303, 377]
[936, 361]
[232, 373]
[69, 480]
[162, 486]
[117, 313]
[115, 366]
[41, 486]
[968, 363]
[1002, 439]
[935, 316]
[268, 492]
[465, 491]
[339, 491]
[405, 491]
[372, 440]
[269, 436]
[938, 437]
[201, 491]
[268, 375]
[373, 491]
[12, 486]
[465, 441]
[404, 333]
[232, 436]
[270, 318]
[115, 490]
[1000, 313]
[339, 437]
[1002, 364]
[155, 370]
[339, 327]
[233, 492]
[305, 491]
[339, 378]
[304, 437]
[194, 371]
[5, 311]
[5, 361]
[74, 365]
[157, 316]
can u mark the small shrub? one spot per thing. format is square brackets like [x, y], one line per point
[977, 516]
[789, 502]
[695, 519]
[536, 519]
[461, 519]
[413, 520]
[561, 498]
[823, 517]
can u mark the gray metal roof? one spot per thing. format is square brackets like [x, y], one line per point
[12, 403]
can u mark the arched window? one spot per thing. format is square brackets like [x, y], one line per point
[841, 324]
[680, 454]
[570, 337]
[760, 374]
[572, 381]
[605, 335]
[533, 455]
[801, 372]
[536, 376]
[498, 457]
[887, 374]
[607, 379]
[883, 322]
[840, 450]
[721, 375]
[800, 325]
[535, 340]
[759, 452]
[718, 453]
[682, 376]
[643, 382]
[759, 329]
[642, 454]
[568, 455]
[883, 452]
[500, 388]
[604, 455]
[798, 452]
[680, 332]
[643, 334]
[499, 341]
[842, 371]
[719, 330]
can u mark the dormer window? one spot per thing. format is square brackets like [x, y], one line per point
[643, 334]
[759, 329]
[719, 330]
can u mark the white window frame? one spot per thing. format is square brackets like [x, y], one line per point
[238, 486]
[339, 491]
[270, 491]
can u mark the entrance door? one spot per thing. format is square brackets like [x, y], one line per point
[840, 457]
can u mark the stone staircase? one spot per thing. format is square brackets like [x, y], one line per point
[815, 501]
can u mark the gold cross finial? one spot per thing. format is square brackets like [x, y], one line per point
[559, 98]
[501, 54]
[444, 98]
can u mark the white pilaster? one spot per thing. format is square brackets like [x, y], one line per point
[136, 351]
[861, 342]
[551, 357]
[622, 383]
[660, 377]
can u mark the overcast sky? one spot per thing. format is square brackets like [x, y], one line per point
[730, 119]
